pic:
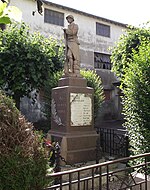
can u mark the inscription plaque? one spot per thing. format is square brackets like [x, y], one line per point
[81, 109]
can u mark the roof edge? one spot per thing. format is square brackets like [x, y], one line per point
[84, 13]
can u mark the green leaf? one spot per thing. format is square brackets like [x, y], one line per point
[2, 7]
[5, 20]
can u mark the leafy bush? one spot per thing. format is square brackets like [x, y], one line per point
[131, 62]
[23, 160]
[26, 60]
[94, 81]
[137, 100]
[122, 52]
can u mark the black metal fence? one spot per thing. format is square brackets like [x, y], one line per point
[105, 176]
[113, 142]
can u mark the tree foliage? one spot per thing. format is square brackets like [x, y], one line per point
[137, 99]
[26, 60]
[122, 52]
[94, 81]
[131, 58]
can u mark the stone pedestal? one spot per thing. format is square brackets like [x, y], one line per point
[72, 120]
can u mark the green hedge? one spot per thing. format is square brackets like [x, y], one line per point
[131, 62]
[23, 162]
[94, 81]
[137, 100]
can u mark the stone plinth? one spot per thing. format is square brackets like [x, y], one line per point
[73, 81]
[72, 119]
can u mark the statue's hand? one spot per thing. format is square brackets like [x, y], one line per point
[64, 29]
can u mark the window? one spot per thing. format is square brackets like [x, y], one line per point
[102, 30]
[102, 61]
[53, 17]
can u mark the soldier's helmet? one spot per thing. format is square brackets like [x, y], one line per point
[70, 16]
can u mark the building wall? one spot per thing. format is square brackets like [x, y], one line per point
[89, 41]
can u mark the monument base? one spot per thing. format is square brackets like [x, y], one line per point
[76, 148]
[72, 120]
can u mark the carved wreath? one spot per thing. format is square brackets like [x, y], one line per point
[55, 116]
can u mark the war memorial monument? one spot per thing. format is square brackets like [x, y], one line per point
[72, 105]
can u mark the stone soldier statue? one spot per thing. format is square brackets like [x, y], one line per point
[72, 65]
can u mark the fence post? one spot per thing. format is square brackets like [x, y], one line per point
[57, 158]
[57, 162]
[127, 146]
[98, 150]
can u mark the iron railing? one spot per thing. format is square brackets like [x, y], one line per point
[109, 175]
[113, 142]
